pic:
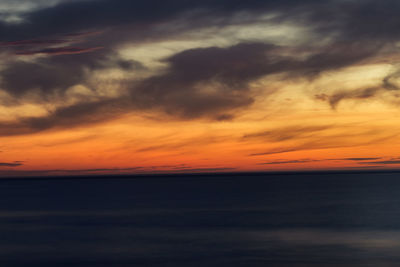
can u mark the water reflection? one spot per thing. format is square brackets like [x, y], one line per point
[318, 220]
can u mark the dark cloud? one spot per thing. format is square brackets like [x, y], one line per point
[357, 94]
[11, 164]
[353, 19]
[389, 82]
[70, 67]
[59, 172]
[177, 169]
[208, 82]
[287, 162]
[200, 82]
[182, 90]
[74, 16]
[211, 82]
[334, 57]
[370, 20]
[347, 20]
[360, 159]
[309, 145]
[60, 44]
[45, 75]
[383, 162]
[64, 117]
[205, 82]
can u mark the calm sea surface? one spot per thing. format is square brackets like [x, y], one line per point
[270, 220]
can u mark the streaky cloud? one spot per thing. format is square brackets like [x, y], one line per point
[11, 164]
[59, 51]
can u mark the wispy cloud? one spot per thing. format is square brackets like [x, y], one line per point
[33, 42]
[288, 162]
[383, 162]
[359, 159]
[11, 164]
[210, 63]
[316, 143]
[59, 51]
[171, 169]
[288, 133]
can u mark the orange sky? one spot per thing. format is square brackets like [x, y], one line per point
[258, 91]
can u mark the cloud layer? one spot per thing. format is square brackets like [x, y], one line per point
[54, 48]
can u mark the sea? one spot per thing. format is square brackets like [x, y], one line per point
[292, 219]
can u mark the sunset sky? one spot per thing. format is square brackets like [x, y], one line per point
[132, 86]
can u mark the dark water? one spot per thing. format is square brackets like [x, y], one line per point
[278, 220]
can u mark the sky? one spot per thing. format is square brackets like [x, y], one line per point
[120, 87]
